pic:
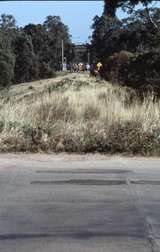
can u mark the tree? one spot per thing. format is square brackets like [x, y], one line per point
[105, 37]
[7, 22]
[7, 61]
[26, 67]
[38, 36]
[140, 31]
[47, 43]
[40, 41]
[31, 52]
[57, 31]
[134, 34]
[110, 6]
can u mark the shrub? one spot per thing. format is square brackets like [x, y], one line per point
[139, 71]
[46, 71]
[144, 73]
[114, 65]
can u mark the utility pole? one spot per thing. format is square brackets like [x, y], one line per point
[62, 54]
[88, 57]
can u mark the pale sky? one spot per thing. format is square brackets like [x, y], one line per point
[78, 15]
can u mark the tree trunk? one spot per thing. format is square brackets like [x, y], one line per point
[110, 7]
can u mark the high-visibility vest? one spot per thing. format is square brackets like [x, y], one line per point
[99, 65]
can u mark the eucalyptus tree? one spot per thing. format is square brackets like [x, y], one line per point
[110, 6]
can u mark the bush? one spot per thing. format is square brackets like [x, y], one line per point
[144, 73]
[139, 71]
[114, 66]
[46, 71]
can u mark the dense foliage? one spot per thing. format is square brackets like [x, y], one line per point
[31, 52]
[139, 71]
[129, 48]
[111, 6]
[135, 33]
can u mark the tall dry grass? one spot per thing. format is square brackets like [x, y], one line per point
[81, 114]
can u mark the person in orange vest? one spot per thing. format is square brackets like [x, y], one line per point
[99, 66]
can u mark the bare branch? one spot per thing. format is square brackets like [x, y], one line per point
[151, 19]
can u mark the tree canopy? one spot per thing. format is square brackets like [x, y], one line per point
[110, 6]
[140, 31]
[31, 52]
[129, 48]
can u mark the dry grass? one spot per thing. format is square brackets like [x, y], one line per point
[80, 114]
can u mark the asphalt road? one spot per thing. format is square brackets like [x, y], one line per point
[71, 203]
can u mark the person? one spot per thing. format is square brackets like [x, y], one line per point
[64, 66]
[75, 67]
[93, 69]
[80, 67]
[99, 66]
[88, 67]
[69, 67]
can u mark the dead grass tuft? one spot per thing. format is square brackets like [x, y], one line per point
[96, 116]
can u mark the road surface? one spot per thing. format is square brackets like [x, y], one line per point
[73, 203]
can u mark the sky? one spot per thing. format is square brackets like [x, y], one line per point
[78, 15]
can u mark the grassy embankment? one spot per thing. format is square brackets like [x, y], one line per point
[76, 113]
